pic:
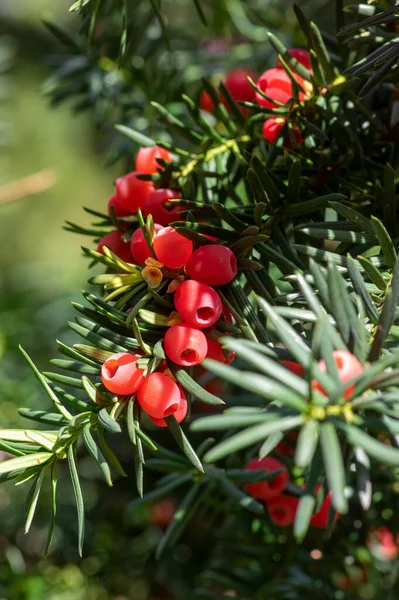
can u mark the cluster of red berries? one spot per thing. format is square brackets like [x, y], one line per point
[277, 90]
[282, 507]
[193, 274]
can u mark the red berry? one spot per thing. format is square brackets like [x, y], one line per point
[272, 128]
[276, 84]
[320, 519]
[162, 512]
[180, 413]
[172, 249]
[348, 367]
[145, 159]
[238, 86]
[216, 352]
[294, 367]
[139, 247]
[282, 510]
[214, 265]
[206, 102]
[131, 192]
[114, 242]
[187, 346]
[156, 204]
[118, 209]
[286, 447]
[301, 55]
[159, 396]
[197, 303]
[121, 375]
[272, 487]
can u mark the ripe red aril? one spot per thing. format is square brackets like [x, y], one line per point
[348, 367]
[216, 352]
[139, 247]
[197, 303]
[282, 510]
[320, 519]
[272, 128]
[179, 414]
[272, 487]
[159, 396]
[156, 204]
[172, 249]
[115, 243]
[187, 346]
[146, 159]
[277, 85]
[214, 264]
[131, 192]
[121, 375]
[118, 208]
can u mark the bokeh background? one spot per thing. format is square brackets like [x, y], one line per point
[59, 155]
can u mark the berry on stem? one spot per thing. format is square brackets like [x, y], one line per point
[146, 159]
[214, 265]
[180, 413]
[172, 249]
[159, 396]
[156, 204]
[186, 346]
[115, 243]
[277, 85]
[118, 208]
[272, 128]
[139, 247]
[197, 303]
[282, 510]
[131, 192]
[348, 367]
[272, 487]
[121, 375]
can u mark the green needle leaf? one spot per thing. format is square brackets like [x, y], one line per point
[71, 454]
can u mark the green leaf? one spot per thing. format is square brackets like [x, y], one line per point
[360, 288]
[267, 366]
[363, 480]
[232, 420]
[183, 442]
[62, 36]
[387, 247]
[130, 421]
[110, 455]
[334, 465]
[135, 136]
[71, 454]
[378, 450]
[239, 497]
[24, 462]
[53, 479]
[46, 386]
[160, 492]
[303, 515]
[191, 386]
[31, 508]
[373, 273]
[258, 384]
[251, 436]
[105, 419]
[306, 444]
[43, 416]
[387, 316]
[97, 454]
[181, 518]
